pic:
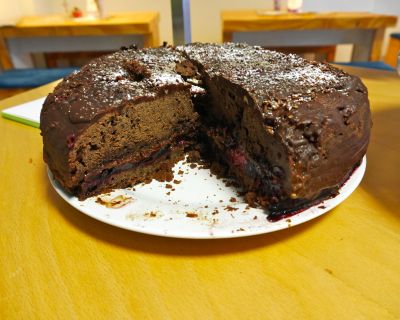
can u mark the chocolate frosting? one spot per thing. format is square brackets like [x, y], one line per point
[105, 85]
[319, 113]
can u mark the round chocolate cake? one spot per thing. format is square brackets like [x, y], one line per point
[289, 131]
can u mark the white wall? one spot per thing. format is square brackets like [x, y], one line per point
[387, 6]
[205, 16]
[9, 12]
[162, 6]
[339, 5]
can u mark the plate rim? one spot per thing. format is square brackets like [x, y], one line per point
[351, 183]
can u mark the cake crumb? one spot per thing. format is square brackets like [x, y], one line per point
[191, 214]
[250, 198]
[229, 208]
[168, 193]
[177, 181]
[168, 186]
[151, 214]
[255, 218]
[193, 165]
[228, 184]
[321, 207]
[232, 199]
[114, 203]
[181, 172]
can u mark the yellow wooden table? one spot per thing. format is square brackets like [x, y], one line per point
[142, 23]
[57, 263]
[252, 20]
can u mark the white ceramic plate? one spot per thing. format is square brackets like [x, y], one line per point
[199, 207]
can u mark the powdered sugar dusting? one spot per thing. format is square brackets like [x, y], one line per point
[270, 78]
[109, 82]
[267, 75]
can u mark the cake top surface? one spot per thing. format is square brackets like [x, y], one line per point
[268, 75]
[275, 81]
[126, 75]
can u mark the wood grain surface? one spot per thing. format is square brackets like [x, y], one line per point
[251, 20]
[57, 263]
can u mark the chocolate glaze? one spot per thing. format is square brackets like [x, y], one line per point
[316, 115]
[103, 86]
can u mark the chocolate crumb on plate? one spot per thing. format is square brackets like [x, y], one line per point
[191, 214]
[229, 208]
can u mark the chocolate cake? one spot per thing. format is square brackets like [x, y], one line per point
[290, 131]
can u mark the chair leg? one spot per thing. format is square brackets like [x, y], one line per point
[392, 52]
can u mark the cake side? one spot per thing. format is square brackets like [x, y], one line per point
[296, 129]
[117, 113]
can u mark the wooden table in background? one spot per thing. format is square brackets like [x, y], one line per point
[57, 263]
[138, 23]
[251, 20]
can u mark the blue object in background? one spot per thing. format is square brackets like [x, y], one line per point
[379, 65]
[395, 35]
[31, 78]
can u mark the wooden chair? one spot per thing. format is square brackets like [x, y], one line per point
[71, 59]
[393, 50]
